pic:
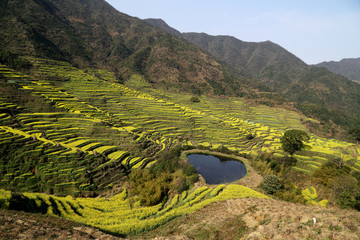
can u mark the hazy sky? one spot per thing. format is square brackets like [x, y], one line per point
[314, 30]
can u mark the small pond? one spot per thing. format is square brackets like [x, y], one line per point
[217, 170]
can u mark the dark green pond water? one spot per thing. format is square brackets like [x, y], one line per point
[217, 170]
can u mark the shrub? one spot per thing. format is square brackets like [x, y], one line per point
[168, 175]
[195, 99]
[330, 170]
[250, 136]
[344, 184]
[290, 196]
[271, 184]
[14, 61]
[224, 149]
[289, 161]
[345, 200]
[150, 189]
[355, 132]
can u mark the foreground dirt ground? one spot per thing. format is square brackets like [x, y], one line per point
[21, 225]
[261, 219]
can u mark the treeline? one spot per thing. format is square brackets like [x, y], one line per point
[14, 61]
[340, 181]
[348, 121]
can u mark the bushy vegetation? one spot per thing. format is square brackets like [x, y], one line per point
[277, 173]
[151, 189]
[341, 181]
[195, 99]
[271, 184]
[14, 61]
[355, 132]
[168, 176]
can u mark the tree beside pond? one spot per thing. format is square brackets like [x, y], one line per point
[293, 140]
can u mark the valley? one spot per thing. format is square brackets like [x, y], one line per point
[98, 130]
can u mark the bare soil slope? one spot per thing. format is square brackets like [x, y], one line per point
[261, 219]
[22, 225]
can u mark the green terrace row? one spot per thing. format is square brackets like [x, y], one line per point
[44, 171]
[131, 95]
[146, 109]
[72, 145]
[10, 75]
[18, 179]
[122, 215]
[74, 107]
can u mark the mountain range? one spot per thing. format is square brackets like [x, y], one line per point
[348, 67]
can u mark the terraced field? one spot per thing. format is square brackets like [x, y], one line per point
[120, 216]
[99, 116]
[99, 130]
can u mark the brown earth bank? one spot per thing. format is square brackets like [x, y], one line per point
[22, 225]
[261, 219]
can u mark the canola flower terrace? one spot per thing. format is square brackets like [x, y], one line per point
[120, 217]
[205, 123]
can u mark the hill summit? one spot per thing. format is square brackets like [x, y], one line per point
[348, 67]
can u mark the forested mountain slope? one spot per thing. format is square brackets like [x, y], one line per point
[92, 33]
[317, 92]
[348, 67]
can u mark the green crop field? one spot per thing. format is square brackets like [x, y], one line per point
[99, 130]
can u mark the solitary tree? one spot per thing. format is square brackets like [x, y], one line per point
[292, 140]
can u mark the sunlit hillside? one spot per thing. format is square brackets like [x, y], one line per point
[117, 127]
[83, 133]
